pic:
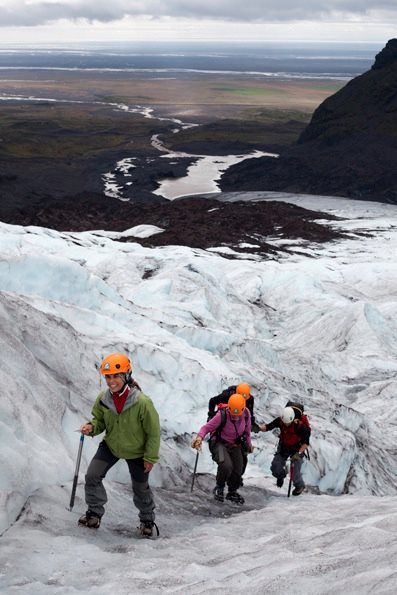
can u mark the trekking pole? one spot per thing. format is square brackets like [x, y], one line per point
[194, 470]
[76, 473]
[291, 470]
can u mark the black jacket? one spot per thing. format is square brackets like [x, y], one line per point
[223, 398]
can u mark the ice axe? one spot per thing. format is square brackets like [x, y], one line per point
[194, 471]
[291, 471]
[76, 473]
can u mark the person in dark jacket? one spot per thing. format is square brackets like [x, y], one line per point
[294, 440]
[243, 389]
[132, 432]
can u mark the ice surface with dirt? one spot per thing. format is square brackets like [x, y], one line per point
[318, 325]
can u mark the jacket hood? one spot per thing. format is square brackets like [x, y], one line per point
[132, 398]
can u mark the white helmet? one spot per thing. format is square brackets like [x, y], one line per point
[288, 415]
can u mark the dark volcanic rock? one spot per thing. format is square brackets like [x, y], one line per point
[196, 222]
[348, 149]
[42, 183]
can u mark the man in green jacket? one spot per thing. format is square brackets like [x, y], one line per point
[132, 428]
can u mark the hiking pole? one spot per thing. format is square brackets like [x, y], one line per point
[194, 470]
[76, 473]
[291, 470]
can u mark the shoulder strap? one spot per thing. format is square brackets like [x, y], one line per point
[217, 433]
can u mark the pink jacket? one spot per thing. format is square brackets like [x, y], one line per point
[233, 428]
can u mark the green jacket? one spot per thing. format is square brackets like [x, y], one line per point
[133, 433]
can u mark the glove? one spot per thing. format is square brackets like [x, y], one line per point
[255, 428]
[197, 442]
[250, 449]
[296, 457]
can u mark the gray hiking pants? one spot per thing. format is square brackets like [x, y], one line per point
[95, 493]
[278, 468]
[230, 465]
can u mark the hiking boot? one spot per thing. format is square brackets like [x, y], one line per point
[298, 491]
[147, 529]
[279, 482]
[235, 497]
[90, 520]
[218, 494]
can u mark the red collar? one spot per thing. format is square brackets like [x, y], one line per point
[119, 398]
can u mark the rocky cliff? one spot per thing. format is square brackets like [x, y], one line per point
[348, 149]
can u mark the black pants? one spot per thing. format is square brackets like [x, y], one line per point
[278, 467]
[95, 493]
[230, 465]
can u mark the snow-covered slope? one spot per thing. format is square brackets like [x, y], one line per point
[318, 325]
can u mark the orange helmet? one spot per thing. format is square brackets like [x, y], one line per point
[244, 389]
[236, 404]
[115, 363]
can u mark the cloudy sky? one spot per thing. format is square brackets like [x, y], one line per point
[131, 20]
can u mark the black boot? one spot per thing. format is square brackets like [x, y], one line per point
[235, 497]
[90, 519]
[298, 491]
[218, 493]
[148, 528]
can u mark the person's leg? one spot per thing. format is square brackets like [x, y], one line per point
[278, 467]
[236, 457]
[245, 462]
[225, 465]
[142, 494]
[95, 493]
[297, 479]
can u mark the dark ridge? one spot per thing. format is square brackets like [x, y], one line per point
[386, 56]
[349, 148]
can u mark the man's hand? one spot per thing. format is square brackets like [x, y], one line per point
[147, 467]
[262, 427]
[197, 442]
[303, 449]
[86, 429]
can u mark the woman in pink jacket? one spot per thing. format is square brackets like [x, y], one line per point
[230, 431]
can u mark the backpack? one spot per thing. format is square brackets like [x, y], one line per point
[223, 399]
[299, 409]
[215, 436]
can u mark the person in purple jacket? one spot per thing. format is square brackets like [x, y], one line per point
[228, 429]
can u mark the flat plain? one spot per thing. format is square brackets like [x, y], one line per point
[61, 131]
[197, 96]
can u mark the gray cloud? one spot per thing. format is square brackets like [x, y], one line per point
[39, 12]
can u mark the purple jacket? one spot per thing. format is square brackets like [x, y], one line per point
[232, 429]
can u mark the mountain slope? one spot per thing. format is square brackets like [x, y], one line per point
[348, 149]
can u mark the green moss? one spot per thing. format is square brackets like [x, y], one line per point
[249, 91]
